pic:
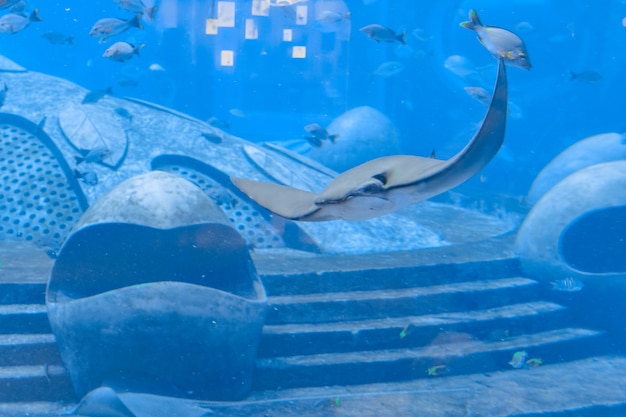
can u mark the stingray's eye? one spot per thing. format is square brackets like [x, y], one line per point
[372, 187]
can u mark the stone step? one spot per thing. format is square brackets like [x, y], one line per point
[408, 331]
[22, 293]
[24, 318]
[590, 387]
[356, 305]
[363, 367]
[32, 409]
[28, 349]
[35, 383]
[289, 274]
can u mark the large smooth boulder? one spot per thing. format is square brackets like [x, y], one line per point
[578, 228]
[154, 292]
[593, 150]
[363, 133]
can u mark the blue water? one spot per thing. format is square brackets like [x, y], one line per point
[574, 90]
[279, 94]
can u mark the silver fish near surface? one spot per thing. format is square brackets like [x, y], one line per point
[567, 285]
[137, 6]
[382, 33]
[13, 22]
[110, 26]
[502, 43]
[122, 51]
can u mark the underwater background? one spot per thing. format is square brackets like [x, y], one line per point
[141, 276]
[269, 95]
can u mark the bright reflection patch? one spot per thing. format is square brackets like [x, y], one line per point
[301, 12]
[226, 14]
[287, 35]
[260, 7]
[299, 52]
[227, 58]
[211, 27]
[252, 30]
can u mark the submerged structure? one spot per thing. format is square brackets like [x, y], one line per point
[170, 292]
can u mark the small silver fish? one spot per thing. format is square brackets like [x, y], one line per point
[137, 6]
[389, 69]
[13, 22]
[519, 359]
[122, 51]
[88, 177]
[502, 43]
[95, 95]
[479, 94]
[318, 134]
[567, 285]
[94, 155]
[57, 38]
[382, 33]
[110, 26]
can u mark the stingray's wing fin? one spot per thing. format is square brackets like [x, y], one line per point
[287, 202]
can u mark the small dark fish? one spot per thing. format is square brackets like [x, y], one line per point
[219, 123]
[94, 155]
[567, 285]
[57, 38]
[318, 134]
[211, 137]
[502, 43]
[223, 198]
[95, 95]
[14, 22]
[88, 177]
[137, 6]
[382, 33]
[110, 26]
[122, 112]
[585, 76]
[3, 95]
[122, 51]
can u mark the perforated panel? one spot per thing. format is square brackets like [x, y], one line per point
[37, 201]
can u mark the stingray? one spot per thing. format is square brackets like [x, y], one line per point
[388, 184]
